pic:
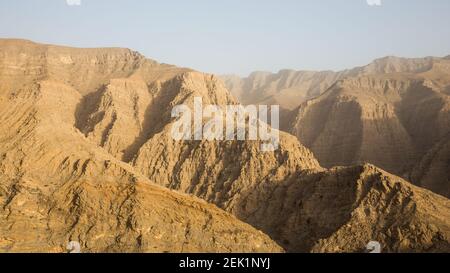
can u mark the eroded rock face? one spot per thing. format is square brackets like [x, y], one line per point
[390, 113]
[342, 209]
[290, 88]
[82, 161]
[56, 186]
[392, 121]
[432, 172]
[287, 88]
[135, 126]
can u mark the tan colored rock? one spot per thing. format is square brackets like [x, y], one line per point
[56, 187]
[290, 88]
[78, 158]
[391, 120]
[287, 88]
[433, 171]
[342, 209]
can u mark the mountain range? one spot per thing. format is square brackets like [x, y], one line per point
[394, 113]
[86, 155]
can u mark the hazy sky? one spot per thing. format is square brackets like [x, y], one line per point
[239, 36]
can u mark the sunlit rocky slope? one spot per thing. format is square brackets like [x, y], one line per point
[56, 186]
[86, 154]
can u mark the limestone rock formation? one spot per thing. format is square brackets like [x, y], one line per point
[433, 170]
[342, 209]
[290, 88]
[56, 186]
[81, 158]
[391, 119]
[287, 88]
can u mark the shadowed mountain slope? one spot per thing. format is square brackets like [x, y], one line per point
[392, 120]
[56, 186]
[78, 159]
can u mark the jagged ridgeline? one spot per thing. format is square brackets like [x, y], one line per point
[86, 154]
[394, 113]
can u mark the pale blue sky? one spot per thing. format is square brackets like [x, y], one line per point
[239, 36]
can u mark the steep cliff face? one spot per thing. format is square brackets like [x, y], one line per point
[433, 170]
[216, 171]
[392, 64]
[24, 62]
[78, 162]
[355, 122]
[268, 189]
[287, 88]
[392, 120]
[290, 88]
[57, 186]
[87, 70]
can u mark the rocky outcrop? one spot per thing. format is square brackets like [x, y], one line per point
[342, 209]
